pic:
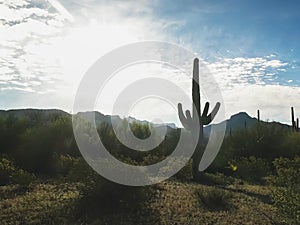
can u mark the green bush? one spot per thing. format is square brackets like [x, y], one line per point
[214, 199]
[39, 143]
[100, 196]
[287, 193]
[63, 164]
[10, 174]
[263, 140]
[292, 144]
[7, 170]
[287, 172]
[22, 178]
[251, 169]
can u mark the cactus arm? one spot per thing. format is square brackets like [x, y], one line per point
[205, 110]
[188, 115]
[182, 118]
[215, 111]
[207, 119]
[185, 122]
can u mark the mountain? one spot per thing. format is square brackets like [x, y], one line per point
[236, 122]
[19, 113]
[99, 117]
[35, 116]
[239, 121]
[159, 129]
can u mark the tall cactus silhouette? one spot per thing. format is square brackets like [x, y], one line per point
[294, 123]
[190, 121]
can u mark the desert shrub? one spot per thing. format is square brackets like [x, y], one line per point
[287, 193]
[10, 174]
[11, 129]
[63, 164]
[106, 197]
[38, 144]
[213, 198]
[287, 172]
[251, 169]
[263, 140]
[220, 162]
[292, 144]
[141, 131]
[219, 179]
[35, 152]
[287, 200]
[22, 177]
[100, 196]
[6, 171]
[185, 173]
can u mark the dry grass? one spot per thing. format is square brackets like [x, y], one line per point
[41, 204]
[179, 204]
[173, 202]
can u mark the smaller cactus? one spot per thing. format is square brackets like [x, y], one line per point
[258, 115]
[295, 124]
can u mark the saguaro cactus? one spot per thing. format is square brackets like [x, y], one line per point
[294, 125]
[190, 121]
[258, 115]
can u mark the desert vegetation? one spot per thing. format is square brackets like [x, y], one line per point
[44, 179]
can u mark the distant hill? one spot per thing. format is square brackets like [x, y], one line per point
[35, 116]
[101, 118]
[31, 112]
[236, 122]
[241, 121]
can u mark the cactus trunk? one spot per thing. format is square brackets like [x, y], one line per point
[196, 95]
[189, 121]
[293, 119]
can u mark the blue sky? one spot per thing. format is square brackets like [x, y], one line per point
[266, 26]
[252, 48]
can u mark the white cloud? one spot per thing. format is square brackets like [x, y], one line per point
[39, 43]
[25, 89]
[15, 3]
[25, 27]
[236, 71]
[274, 101]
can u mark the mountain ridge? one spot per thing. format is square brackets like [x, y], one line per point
[235, 122]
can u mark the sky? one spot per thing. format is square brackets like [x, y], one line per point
[252, 48]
